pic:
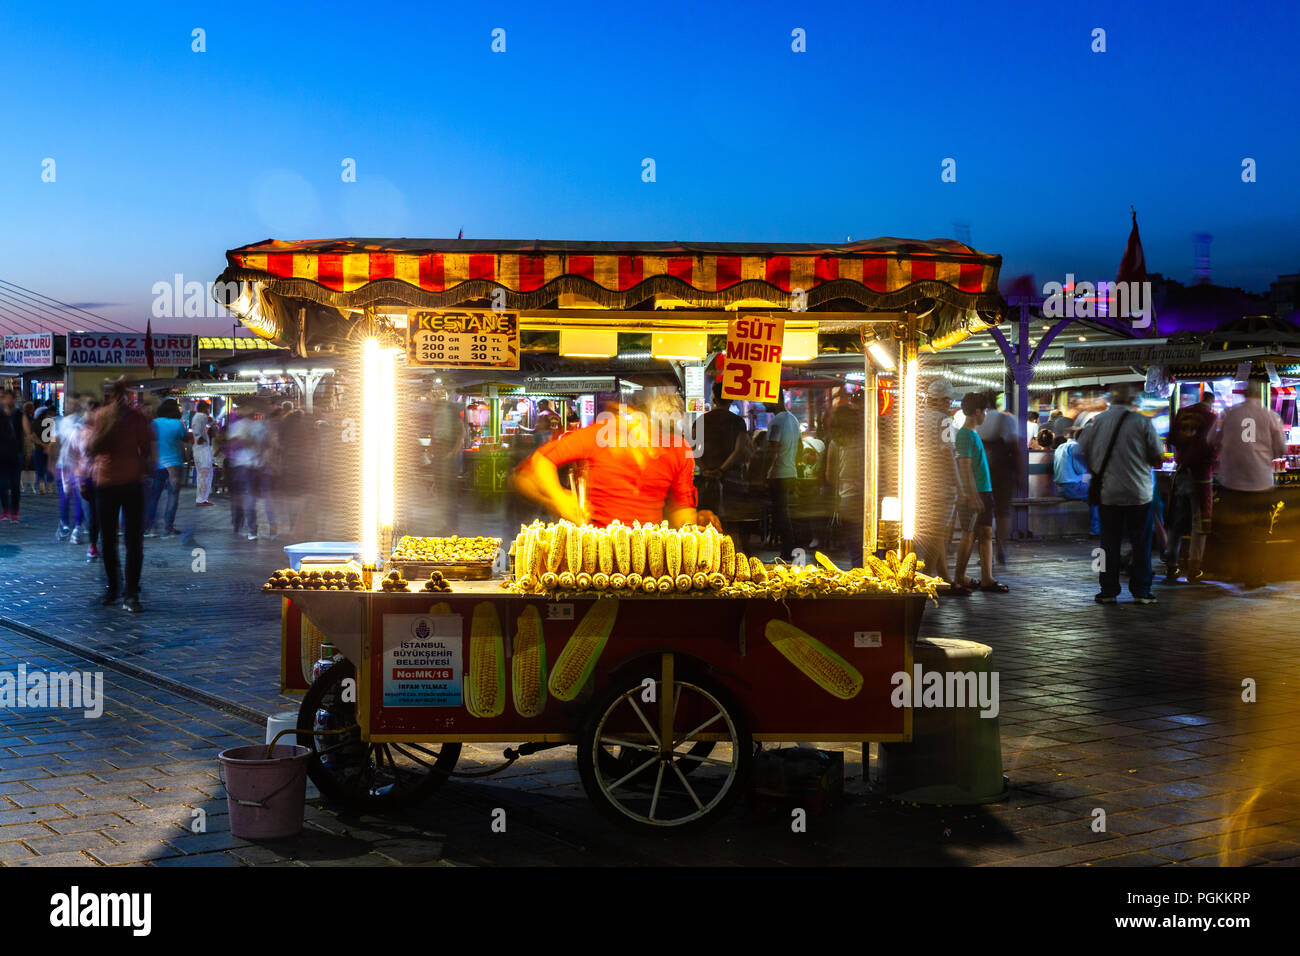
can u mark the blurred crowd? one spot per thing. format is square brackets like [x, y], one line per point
[120, 469]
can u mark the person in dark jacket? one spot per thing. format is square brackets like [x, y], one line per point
[11, 455]
[122, 446]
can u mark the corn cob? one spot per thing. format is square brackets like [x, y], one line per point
[578, 659]
[636, 545]
[672, 554]
[545, 535]
[634, 581]
[654, 553]
[664, 585]
[881, 568]
[529, 664]
[717, 580]
[600, 581]
[573, 549]
[757, 573]
[518, 548]
[583, 581]
[682, 582]
[590, 561]
[818, 662]
[727, 556]
[559, 547]
[568, 580]
[527, 583]
[699, 580]
[650, 585]
[707, 550]
[742, 567]
[690, 550]
[891, 556]
[442, 607]
[826, 562]
[907, 570]
[605, 552]
[622, 549]
[617, 581]
[549, 581]
[487, 668]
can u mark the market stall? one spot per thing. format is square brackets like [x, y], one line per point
[658, 648]
[1230, 354]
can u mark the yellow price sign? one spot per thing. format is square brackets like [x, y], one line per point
[752, 371]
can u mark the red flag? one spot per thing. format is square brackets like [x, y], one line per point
[148, 342]
[1133, 267]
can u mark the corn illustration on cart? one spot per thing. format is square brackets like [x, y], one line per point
[665, 699]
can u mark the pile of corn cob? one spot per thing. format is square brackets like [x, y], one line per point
[656, 559]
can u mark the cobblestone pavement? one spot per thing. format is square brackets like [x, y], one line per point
[1138, 711]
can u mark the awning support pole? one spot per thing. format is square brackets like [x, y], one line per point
[870, 451]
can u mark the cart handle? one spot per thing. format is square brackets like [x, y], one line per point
[294, 730]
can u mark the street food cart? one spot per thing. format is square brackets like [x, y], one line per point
[665, 690]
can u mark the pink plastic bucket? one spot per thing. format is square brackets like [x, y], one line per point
[265, 796]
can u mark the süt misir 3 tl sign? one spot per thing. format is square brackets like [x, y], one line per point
[752, 372]
[104, 348]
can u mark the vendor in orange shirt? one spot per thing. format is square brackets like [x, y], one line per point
[634, 472]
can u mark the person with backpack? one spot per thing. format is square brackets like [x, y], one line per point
[1120, 447]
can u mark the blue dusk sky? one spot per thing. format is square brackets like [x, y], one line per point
[165, 157]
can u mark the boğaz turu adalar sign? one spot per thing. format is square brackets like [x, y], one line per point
[128, 349]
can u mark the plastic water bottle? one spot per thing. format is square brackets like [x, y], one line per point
[322, 722]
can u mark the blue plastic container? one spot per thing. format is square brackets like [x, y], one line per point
[343, 550]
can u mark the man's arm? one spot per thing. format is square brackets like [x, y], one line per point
[1083, 446]
[739, 452]
[538, 479]
[1279, 435]
[1155, 452]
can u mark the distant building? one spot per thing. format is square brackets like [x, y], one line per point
[1284, 294]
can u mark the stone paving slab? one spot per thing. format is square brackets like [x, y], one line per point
[1133, 710]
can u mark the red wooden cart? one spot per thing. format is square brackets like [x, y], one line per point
[666, 725]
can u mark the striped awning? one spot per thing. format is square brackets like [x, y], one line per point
[874, 275]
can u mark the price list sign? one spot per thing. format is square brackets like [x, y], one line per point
[464, 338]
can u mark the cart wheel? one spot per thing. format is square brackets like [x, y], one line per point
[365, 776]
[654, 791]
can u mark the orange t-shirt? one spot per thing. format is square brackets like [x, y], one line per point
[618, 487]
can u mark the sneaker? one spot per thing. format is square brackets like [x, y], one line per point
[170, 533]
[252, 537]
[132, 605]
[92, 554]
[78, 536]
[63, 533]
[1105, 599]
[151, 533]
[203, 504]
[109, 599]
[1145, 599]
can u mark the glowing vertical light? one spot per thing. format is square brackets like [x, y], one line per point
[372, 411]
[907, 489]
[387, 420]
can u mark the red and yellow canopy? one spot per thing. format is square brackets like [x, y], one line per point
[872, 275]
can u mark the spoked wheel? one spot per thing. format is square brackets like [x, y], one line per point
[664, 768]
[365, 776]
